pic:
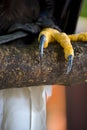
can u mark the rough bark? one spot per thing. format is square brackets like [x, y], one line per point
[20, 65]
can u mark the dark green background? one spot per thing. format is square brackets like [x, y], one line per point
[84, 9]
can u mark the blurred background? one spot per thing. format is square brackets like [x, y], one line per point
[82, 21]
[84, 9]
[77, 94]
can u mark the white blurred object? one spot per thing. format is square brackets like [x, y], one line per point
[81, 25]
[24, 108]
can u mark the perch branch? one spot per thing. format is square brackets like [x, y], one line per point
[20, 65]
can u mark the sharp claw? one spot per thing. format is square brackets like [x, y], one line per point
[41, 46]
[70, 62]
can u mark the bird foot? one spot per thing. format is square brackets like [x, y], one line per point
[49, 35]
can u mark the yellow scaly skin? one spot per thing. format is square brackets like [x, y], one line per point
[53, 35]
[63, 39]
[78, 37]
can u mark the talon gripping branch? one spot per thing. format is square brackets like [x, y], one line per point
[48, 21]
[19, 19]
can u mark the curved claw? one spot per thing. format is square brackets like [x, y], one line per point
[41, 46]
[70, 62]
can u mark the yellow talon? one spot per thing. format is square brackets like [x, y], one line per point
[49, 35]
[54, 35]
[78, 37]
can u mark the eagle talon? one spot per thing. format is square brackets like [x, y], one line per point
[70, 63]
[41, 45]
[50, 35]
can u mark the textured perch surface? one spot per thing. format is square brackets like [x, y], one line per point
[20, 65]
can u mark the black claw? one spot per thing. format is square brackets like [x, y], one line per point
[41, 46]
[70, 63]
